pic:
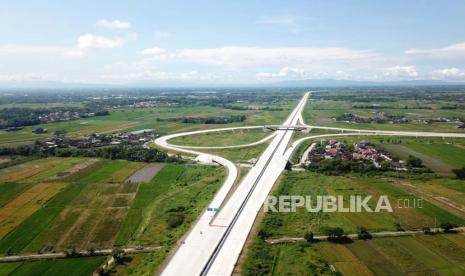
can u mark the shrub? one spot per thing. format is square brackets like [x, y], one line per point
[447, 226]
[363, 233]
[459, 173]
[414, 162]
[308, 236]
[334, 234]
[175, 220]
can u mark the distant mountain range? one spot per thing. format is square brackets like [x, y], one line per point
[177, 84]
[354, 83]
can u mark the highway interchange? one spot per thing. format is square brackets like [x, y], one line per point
[214, 243]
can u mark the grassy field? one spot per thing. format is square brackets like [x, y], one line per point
[27, 170]
[28, 202]
[46, 209]
[224, 138]
[11, 190]
[439, 157]
[141, 118]
[85, 203]
[176, 191]
[77, 266]
[440, 254]
[287, 259]
[93, 218]
[311, 184]
[322, 113]
[41, 105]
[420, 255]
[241, 154]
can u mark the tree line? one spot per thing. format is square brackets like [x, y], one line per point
[130, 153]
[20, 116]
[205, 120]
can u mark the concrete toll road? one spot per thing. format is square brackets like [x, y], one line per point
[213, 245]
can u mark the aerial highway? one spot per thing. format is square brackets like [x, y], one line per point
[214, 243]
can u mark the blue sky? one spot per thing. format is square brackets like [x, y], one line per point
[230, 41]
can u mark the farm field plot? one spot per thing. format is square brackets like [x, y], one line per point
[140, 264]
[127, 119]
[323, 113]
[64, 166]
[441, 254]
[13, 213]
[165, 207]
[283, 259]
[407, 255]
[76, 266]
[311, 184]
[4, 160]
[93, 218]
[95, 206]
[439, 157]
[445, 192]
[36, 217]
[27, 170]
[224, 138]
[146, 173]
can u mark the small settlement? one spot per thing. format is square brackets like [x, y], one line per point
[134, 138]
[360, 151]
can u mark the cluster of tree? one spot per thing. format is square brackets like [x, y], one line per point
[241, 107]
[372, 106]
[459, 173]
[206, 120]
[414, 162]
[453, 106]
[191, 97]
[176, 216]
[19, 117]
[384, 118]
[130, 153]
[448, 227]
[363, 233]
[340, 166]
[392, 94]
[335, 234]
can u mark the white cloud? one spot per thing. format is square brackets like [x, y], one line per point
[290, 73]
[155, 75]
[89, 41]
[341, 75]
[286, 21]
[112, 24]
[233, 56]
[42, 50]
[457, 49]
[155, 51]
[285, 72]
[84, 42]
[401, 72]
[22, 77]
[448, 74]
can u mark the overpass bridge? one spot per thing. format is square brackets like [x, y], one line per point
[286, 127]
